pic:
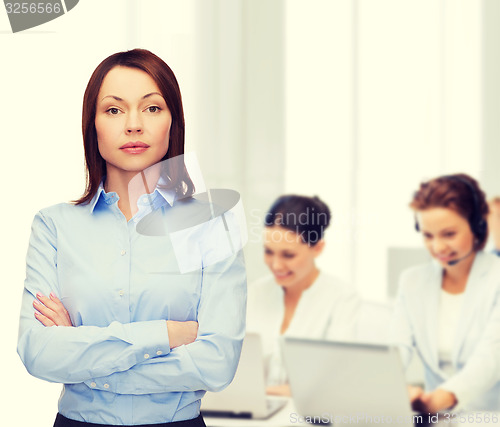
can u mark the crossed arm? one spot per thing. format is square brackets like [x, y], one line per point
[50, 311]
[151, 356]
[197, 358]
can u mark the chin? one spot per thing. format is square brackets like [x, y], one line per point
[139, 165]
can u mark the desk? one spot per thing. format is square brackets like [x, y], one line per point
[283, 419]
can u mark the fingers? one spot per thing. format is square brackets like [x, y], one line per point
[44, 320]
[61, 309]
[49, 302]
[52, 309]
[42, 308]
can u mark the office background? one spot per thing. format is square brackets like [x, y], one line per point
[356, 101]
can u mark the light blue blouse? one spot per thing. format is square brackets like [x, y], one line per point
[119, 287]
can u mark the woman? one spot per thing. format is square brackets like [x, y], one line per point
[298, 299]
[106, 309]
[449, 310]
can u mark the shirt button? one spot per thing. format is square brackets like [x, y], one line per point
[123, 252]
[159, 352]
[106, 385]
[121, 293]
[146, 356]
[93, 384]
[145, 200]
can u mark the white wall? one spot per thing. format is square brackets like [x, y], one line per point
[380, 95]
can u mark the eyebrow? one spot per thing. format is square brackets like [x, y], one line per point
[120, 99]
[444, 230]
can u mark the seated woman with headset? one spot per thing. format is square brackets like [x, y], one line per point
[449, 310]
[297, 299]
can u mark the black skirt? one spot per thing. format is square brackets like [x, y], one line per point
[62, 421]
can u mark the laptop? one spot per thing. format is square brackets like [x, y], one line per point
[348, 383]
[246, 396]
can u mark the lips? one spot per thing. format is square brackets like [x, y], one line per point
[134, 144]
[445, 258]
[282, 275]
[134, 147]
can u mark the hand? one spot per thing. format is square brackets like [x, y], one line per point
[51, 311]
[436, 401]
[181, 333]
[414, 392]
[279, 390]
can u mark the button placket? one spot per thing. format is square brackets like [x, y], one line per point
[122, 278]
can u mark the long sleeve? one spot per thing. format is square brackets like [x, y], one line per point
[75, 354]
[211, 361]
[481, 371]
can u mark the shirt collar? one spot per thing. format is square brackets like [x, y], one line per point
[168, 196]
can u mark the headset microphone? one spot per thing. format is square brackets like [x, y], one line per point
[456, 261]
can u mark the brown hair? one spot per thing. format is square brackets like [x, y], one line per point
[178, 178]
[458, 192]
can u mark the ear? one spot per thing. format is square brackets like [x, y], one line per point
[318, 248]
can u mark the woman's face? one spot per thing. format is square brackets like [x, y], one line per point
[132, 121]
[447, 235]
[290, 260]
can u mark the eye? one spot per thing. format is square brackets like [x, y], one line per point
[427, 236]
[449, 234]
[289, 256]
[113, 111]
[153, 109]
[268, 252]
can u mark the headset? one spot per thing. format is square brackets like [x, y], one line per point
[477, 223]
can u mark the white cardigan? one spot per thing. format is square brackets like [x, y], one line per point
[326, 310]
[476, 345]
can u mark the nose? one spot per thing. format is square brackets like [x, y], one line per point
[276, 264]
[134, 123]
[438, 246]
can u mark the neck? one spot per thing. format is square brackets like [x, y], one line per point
[130, 186]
